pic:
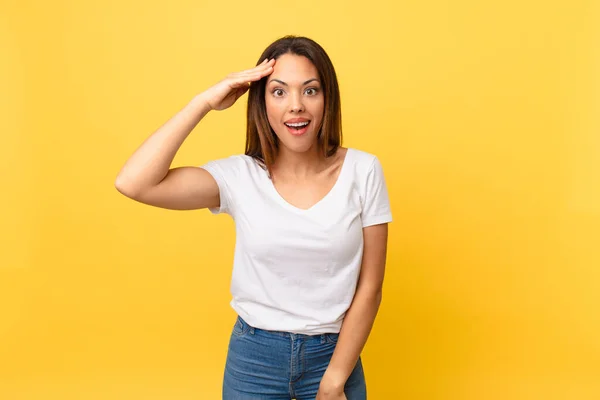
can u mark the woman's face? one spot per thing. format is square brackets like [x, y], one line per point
[293, 97]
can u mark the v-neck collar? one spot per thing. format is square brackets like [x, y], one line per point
[338, 182]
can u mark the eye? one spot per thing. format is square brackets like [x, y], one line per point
[278, 92]
[311, 91]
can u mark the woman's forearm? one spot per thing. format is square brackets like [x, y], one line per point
[356, 329]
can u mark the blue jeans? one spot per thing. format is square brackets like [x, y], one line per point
[274, 365]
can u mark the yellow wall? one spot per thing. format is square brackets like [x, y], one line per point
[485, 116]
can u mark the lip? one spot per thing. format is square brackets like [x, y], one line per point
[298, 132]
[296, 120]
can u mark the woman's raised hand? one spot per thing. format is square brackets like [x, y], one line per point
[225, 93]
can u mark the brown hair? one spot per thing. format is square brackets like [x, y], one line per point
[261, 142]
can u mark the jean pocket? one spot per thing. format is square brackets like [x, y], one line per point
[332, 337]
[241, 327]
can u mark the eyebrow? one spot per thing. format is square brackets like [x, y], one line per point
[285, 84]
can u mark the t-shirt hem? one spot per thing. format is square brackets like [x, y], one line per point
[222, 191]
[379, 219]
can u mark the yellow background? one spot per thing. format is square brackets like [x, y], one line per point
[485, 116]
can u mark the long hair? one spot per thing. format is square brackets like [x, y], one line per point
[261, 142]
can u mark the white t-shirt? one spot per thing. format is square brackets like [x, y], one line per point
[296, 270]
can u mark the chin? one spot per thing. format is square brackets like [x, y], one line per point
[299, 146]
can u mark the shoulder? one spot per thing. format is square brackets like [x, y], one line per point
[362, 161]
[370, 181]
[367, 171]
[234, 165]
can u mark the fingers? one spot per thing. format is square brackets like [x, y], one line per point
[265, 65]
[260, 70]
[255, 74]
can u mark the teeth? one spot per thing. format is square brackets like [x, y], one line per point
[297, 124]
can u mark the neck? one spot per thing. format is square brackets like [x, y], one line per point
[299, 165]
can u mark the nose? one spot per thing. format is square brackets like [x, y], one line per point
[296, 103]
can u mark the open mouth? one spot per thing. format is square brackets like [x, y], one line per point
[297, 128]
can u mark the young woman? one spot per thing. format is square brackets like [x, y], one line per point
[311, 225]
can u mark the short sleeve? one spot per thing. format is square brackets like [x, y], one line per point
[376, 203]
[223, 171]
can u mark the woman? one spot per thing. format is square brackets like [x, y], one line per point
[311, 225]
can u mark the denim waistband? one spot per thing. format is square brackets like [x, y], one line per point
[252, 329]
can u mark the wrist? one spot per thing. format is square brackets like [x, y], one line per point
[332, 381]
[201, 103]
